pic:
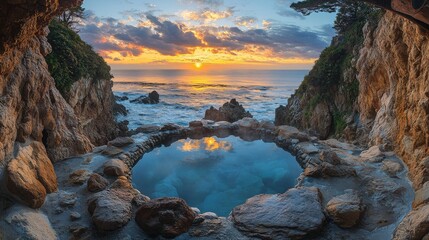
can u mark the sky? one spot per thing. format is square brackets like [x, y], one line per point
[206, 34]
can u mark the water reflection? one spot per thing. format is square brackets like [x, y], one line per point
[210, 144]
[215, 174]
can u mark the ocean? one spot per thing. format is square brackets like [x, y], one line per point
[186, 94]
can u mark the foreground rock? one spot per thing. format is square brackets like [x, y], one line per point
[231, 111]
[328, 165]
[112, 208]
[346, 210]
[168, 217]
[96, 183]
[152, 98]
[30, 176]
[115, 167]
[22, 223]
[294, 214]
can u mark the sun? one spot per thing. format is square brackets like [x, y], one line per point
[198, 64]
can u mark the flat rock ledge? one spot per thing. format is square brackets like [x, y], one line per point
[294, 214]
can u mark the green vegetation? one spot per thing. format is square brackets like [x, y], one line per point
[72, 59]
[327, 78]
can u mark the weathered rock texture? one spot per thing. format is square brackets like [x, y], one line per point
[33, 110]
[230, 111]
[394, 92]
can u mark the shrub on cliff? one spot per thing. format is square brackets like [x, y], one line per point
[72, 59]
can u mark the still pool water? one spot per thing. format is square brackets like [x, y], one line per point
[215, 174]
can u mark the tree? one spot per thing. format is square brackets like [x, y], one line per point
[71, 16]
[308, 6]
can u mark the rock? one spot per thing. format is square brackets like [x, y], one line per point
[392, 168]
[168, 217]
[112, 208]
[373, 154]
[121, 142]
[30, 175]
[196, 124]
[307, 147]
[421, 196]
[171, 127]
[75, 216]
[123, 126]
[115, 167]
[346, 210]
[139, 199]
[414, 226]
[294, 214]
[280, 116]
[206, 225]
[145, 129]
[288, 132]
[247, 123]
[196, 210]
[78, 230]
[78, 177]
[121, 98]
[112, 151]
[96, 183]
[230, 111]
[119, 109]
[152, 98]
[67, 199]
[24, 223]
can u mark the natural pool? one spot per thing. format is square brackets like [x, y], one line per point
[215, 174]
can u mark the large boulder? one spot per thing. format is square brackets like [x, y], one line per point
[115, 167]
[19, 222]
[168, 217]
[230, 111]
[415, 226]
[31, 175]
[152, 98]
[346, 210]
[328, 165]
[294, 214]
[112, 208]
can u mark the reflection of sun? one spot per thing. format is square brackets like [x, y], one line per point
[198, 64]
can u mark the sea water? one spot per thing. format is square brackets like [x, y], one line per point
[215, 174]
[186, 94]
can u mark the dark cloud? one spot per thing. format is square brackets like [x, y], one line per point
[171, 38]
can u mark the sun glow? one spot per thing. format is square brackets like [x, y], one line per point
[198, 64]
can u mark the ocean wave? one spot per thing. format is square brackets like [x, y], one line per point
[198, 85]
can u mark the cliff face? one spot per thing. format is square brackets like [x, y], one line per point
[36, 122]
[394, 91]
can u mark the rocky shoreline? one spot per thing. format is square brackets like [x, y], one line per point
[342, 192]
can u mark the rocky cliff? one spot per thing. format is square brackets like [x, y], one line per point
[36, 121]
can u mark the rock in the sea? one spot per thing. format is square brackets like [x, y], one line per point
[79, 177]
[346, 210]
[115, 167]
[152, 98]
[168, 217]
[30, 175]
[144, 129]
[23, 223]
[96, 183]
[119, 109]
[294, 214]
[230, 111]
[196, 124]
[121, 142]
[121, 98]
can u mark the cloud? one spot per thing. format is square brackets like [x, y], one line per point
[207, 15]
[245, 21]
[175, 38]
[290, 13]
[205, 2]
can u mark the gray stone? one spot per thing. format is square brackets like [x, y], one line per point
[294, 214]
[112, 151]
[67, 199]
[414, 226]
[392, 168]
[346, 210]
[79, 177]
[121, 142]
[115, 167]
[307, 147]
[230, 111]
[75, 216]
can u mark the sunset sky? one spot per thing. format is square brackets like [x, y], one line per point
[227, 34]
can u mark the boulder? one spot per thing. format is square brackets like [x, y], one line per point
[373, 154]
[196, 124]
[415, 226]
[346, 210]
[31, 175]
[145, 129]
[20, 222]
[230, 111]
[421, 196]
[121, 142]
[115, 167]
[294, 214]
[288, 132]
[78, 177]
[171, 127]
[152, 98]
[328, 165]
[96, 183]
[168, 217]
[392, 168]
[121, 98]
[112, 151]
[112, 208]
[119, 109]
